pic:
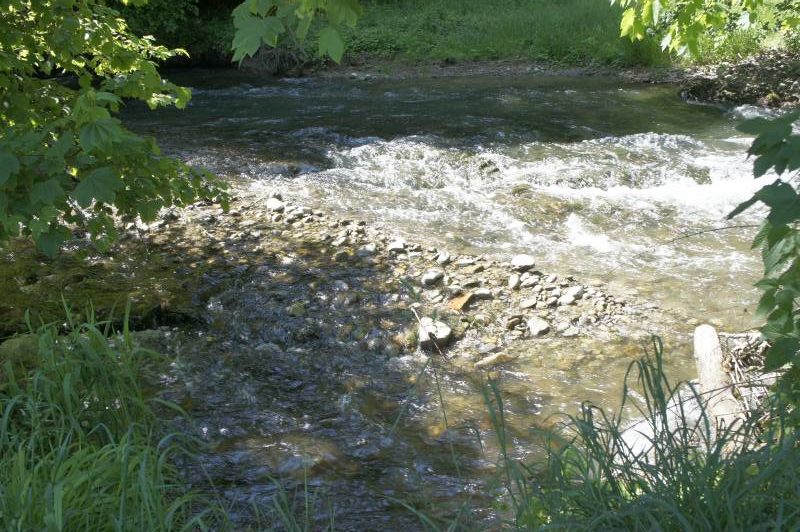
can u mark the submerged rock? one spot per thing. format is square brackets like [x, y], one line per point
[493, 360]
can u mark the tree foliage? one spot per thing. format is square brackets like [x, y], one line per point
[66, 68]
[263, 22]
[776, 149]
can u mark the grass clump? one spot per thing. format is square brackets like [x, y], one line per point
[680, 472]
[81, 447]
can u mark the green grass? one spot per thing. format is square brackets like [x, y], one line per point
[572, 32]
[81, 447]
[693, 477]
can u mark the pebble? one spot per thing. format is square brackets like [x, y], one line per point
[493, 360]
[396, 246]
[522, 263]
[460, 303]
[443, 258]
[482, 293]
[432, 277]
[527, 303]
[275, 205]
[538, 327]
[513, 281]
[433, 333]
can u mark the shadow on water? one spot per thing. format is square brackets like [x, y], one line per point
[293, 360]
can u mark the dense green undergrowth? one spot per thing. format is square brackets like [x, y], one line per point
[569, 32]
[81, 447]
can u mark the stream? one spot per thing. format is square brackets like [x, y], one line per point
[616, 184]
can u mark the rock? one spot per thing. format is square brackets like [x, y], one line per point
[493, 360]
[396, 246]
[482, 293]
[297, 309]
[527, 303]
[433, 333]
[367, 250]
[565, 300]
[574, 291]
[522, 263]
[562, 326]
[570, 332]
[460, 303]
[443, 258]
[431, 277]
[478, 268]
[513, 321]
[342, 240]
[538, 327]
[513, 281]
[275, 205]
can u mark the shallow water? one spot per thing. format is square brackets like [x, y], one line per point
[597, 178]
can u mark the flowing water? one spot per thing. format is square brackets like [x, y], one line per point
[610, 181]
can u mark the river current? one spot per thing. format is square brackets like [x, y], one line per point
[595, 177]
[620, 185]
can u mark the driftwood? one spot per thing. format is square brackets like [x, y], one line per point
[722, 408]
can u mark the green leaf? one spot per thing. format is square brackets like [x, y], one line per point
[9, 165]
[743, 207]
[51, 240]
[331, 43]
[783, 351]
[100, 185]
[627, 22]
[100, 134]
[251, 31]
[765, 305]
[46, 192]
